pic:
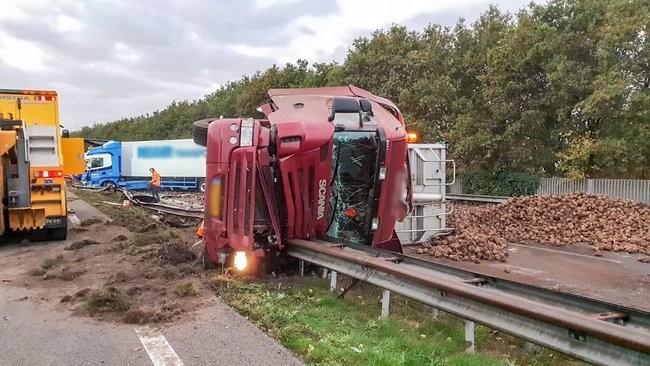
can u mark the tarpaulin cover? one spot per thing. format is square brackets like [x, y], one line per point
[354, 161]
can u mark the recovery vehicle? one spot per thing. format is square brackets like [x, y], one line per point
[325, 164]
[32, 184]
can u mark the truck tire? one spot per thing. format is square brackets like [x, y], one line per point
[38, 235]
[201, 185]
[60, 233]
[200, 131]
[109, 185]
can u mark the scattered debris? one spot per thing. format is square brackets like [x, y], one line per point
[82, 293]
[105, 300]
[148, 228]
[66, 298]
[120, 237]
[91, 221]
[118, 277]
[185, 290]
[144, 316]
[175, 253]
[67, 274]
[111, 203]
[52, 262]
[80, 244]
[604, 223]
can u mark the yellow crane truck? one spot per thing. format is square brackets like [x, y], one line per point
[32, 183]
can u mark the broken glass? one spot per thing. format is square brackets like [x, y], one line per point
[354, 162]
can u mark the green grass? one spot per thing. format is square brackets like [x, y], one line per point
[325, 330]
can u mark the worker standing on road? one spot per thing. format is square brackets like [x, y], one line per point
[154, 183]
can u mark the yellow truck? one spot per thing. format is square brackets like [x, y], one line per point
[32, 183]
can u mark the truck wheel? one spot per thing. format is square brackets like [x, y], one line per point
[110, 185]
[60, 233]
[201, 185]
[200, 131]
[38, 235]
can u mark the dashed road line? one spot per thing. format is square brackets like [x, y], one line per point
[74, 220]
[156, 345]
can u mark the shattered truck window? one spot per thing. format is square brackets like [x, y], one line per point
[354, 161]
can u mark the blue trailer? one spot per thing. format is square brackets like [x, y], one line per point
[181, 164]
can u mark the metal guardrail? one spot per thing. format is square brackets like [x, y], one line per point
[476, 198]
[590, 330]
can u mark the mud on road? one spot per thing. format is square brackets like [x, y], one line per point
[140, 274]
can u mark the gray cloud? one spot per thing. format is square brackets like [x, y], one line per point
[111, 59]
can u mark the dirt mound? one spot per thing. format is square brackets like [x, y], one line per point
[80, 244]
[175, 253]
[482, 232]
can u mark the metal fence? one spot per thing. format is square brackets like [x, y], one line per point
[634, 189]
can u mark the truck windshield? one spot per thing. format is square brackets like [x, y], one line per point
[354, 163]
[98, 161]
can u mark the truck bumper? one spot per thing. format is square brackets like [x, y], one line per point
[26, 218]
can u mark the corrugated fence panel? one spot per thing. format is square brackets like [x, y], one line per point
[634, 189]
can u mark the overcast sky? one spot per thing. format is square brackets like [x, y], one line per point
[113, 59]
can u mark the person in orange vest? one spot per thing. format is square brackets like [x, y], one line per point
[154, 183]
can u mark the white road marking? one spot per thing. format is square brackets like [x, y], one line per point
[569, 253]
[156, 345]
[74, 220]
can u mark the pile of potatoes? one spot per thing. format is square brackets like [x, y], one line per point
[603, 223]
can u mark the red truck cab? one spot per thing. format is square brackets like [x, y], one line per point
[324, 164]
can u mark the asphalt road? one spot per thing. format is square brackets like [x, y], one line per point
[617, 278]
[35, 331]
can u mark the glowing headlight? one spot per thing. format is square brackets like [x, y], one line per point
[246, 133]
[240, 261]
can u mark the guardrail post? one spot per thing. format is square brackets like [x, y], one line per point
[301, 267]
[469, 336]
[435, 313]
[324, 274]
[385, 304]
[333, 281]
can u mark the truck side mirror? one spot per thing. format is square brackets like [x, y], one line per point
[65, 133]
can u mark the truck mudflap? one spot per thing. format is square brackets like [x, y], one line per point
[26, 218]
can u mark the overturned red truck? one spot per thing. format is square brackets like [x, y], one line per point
[323, 164]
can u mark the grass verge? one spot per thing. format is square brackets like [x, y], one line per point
[324, 330]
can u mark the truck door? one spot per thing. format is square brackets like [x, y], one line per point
[72, 149]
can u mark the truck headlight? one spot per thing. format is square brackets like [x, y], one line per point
[246, 133]
[240, 261]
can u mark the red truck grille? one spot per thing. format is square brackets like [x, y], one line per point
[301, 193]
[241, 193]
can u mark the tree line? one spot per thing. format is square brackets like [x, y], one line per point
[556, 89]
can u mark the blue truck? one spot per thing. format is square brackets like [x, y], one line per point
[181, 164]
